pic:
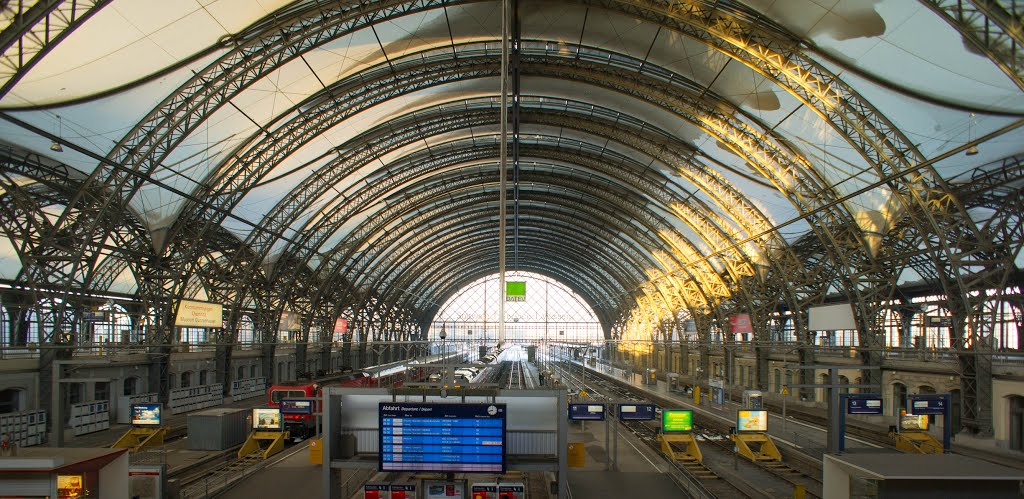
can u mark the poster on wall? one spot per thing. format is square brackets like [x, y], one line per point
[146, 481]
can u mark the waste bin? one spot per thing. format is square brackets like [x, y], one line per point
[316, 451]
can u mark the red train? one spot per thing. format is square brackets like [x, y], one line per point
[304, 424]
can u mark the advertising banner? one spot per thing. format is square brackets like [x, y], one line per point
[740, 323]
[515, 291]
[199, 314]
[678, 421]
[145, 414]
[264, 418]
[752, 421]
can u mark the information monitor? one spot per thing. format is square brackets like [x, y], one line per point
[266, 418]
[447, 438]
[145, 414]
[676, 421]
[752, 421]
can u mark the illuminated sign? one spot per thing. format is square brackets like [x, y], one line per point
[145, 414]
[675, 420]
[914, 422]
[296, 407]
[70, 486]
[636, 412]
[448, 438]
[264, 418]
[927, 405]
[586, 412]
[515, 291]
[864, 405]
[752, 421]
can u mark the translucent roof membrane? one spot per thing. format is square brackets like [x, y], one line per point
[725, 143]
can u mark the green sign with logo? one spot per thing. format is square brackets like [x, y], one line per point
[678, 421]
[515, 291]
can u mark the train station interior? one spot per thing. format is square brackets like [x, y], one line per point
[481, 249]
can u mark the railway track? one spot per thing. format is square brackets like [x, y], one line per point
[722, 473]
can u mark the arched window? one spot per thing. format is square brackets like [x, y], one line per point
[114, 328]
[789, 379]
[131, 386]
[843, 380]
[822, 393]
[246, 332]
[241, 372]
[891, 325]
[186, 379]
[202, 378]
[281, 375]
[778, 381]
[252, 371]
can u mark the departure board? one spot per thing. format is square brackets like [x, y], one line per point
[455, 438]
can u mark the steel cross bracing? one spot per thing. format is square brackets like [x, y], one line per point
[472, 260]
[293, 139]
[143, 150]
[592, 209]
[35, 28]
[752, 40]
[433, 190]
[478, 152]
[459, 222]
[992, 27]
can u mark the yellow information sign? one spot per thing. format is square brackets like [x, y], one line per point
[785, 391]
[583, 393]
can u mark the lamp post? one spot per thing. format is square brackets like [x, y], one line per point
[444, 359]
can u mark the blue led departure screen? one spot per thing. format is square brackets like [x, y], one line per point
[456, 438]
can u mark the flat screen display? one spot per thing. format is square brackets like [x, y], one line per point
[296, 406]
[637, 412]
[146, 414]
[676, 421]
[864, 405]
[752, 421]
[264, 418]
[449, 438]
[586, 412]
[914, 422]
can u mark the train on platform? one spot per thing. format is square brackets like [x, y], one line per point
[304, 425]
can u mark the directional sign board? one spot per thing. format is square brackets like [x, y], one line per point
[447, 438]
[586, 412]
[927, 405]
[637, 412]
[864, 405]
[290, 406]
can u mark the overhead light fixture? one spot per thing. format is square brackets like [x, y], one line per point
[55, 146]
[971, 151]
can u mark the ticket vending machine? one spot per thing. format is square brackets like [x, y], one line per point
[484, 491]
[650, 376]
[753, 399]
[511, 491]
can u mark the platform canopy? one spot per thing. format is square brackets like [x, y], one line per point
[663, 156]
